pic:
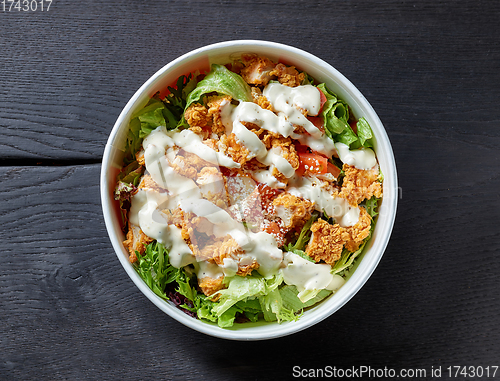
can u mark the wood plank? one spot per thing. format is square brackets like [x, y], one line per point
[68, 309]
[66, 74]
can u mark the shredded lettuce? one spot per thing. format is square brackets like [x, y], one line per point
[155, 270]
[304, 236]
[336, 117]
[241, 288]
[222, 81]
[167, 112]
[292, 302]
[372, 207]
[127, 182]
[365, 133]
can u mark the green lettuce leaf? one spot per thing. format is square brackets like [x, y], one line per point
[371, 206]
[251, 308]
[365, 133]
[243, 288]
[155, 270]
[273, 309]
[291, 301]
[222, 81]
[304, 236]
[347, 136]
[157, 112]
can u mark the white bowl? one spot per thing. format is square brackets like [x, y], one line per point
[223, 53]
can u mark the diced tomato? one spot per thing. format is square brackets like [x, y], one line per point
[333, 169]
[322, 101]
[267, 195]
[354, 127]
[318, 122]
[272, 228]
[278, 232]
[312, 163]
[302, 148]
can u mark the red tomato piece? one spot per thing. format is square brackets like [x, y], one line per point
[333, 169]
[354, 127]
[312, 163]
[318, 122]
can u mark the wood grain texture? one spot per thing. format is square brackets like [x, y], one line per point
[429, 68]
[69, 311]
[66, 74]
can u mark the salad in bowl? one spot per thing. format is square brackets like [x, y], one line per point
[248, 191]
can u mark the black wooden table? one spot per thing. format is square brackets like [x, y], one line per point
[431, 70]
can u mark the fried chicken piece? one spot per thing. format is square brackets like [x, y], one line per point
[227, 247]
[360, 184]
[206, 120]
[292, 210]
[257, 69]
[229, 146]
[288, 150]
[213, 187]
[136, 241]
[282, 146]
[147, 183]
[188, 164]
[197, 115]
[197, 233]
[287, 75]
[261, 100]
[359, 231]
[174, 216]
[210, 286]
[139, 156]
[215, 104]
[239, 187]
[327, 242]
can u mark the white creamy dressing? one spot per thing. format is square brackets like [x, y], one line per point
[145, 212]
[205, 269]
[265, 176]
[189, 142]
[288, 101]
[307, 275]
[363, 158]
[161, 150]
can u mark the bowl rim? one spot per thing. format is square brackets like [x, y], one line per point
[325, 308]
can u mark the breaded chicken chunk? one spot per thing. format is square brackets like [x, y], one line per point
[360, 184]
[139, 156]
[292, 210]
[327, 242]
[215, 104]
[228, 145]
[228, 248]
[261, 100]
[188, 164]
[359, 231]
[209, 286]
[287, 75]
[257, 69]
[213, 187]
[147, 183]
[136, 241]
[197, 115]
